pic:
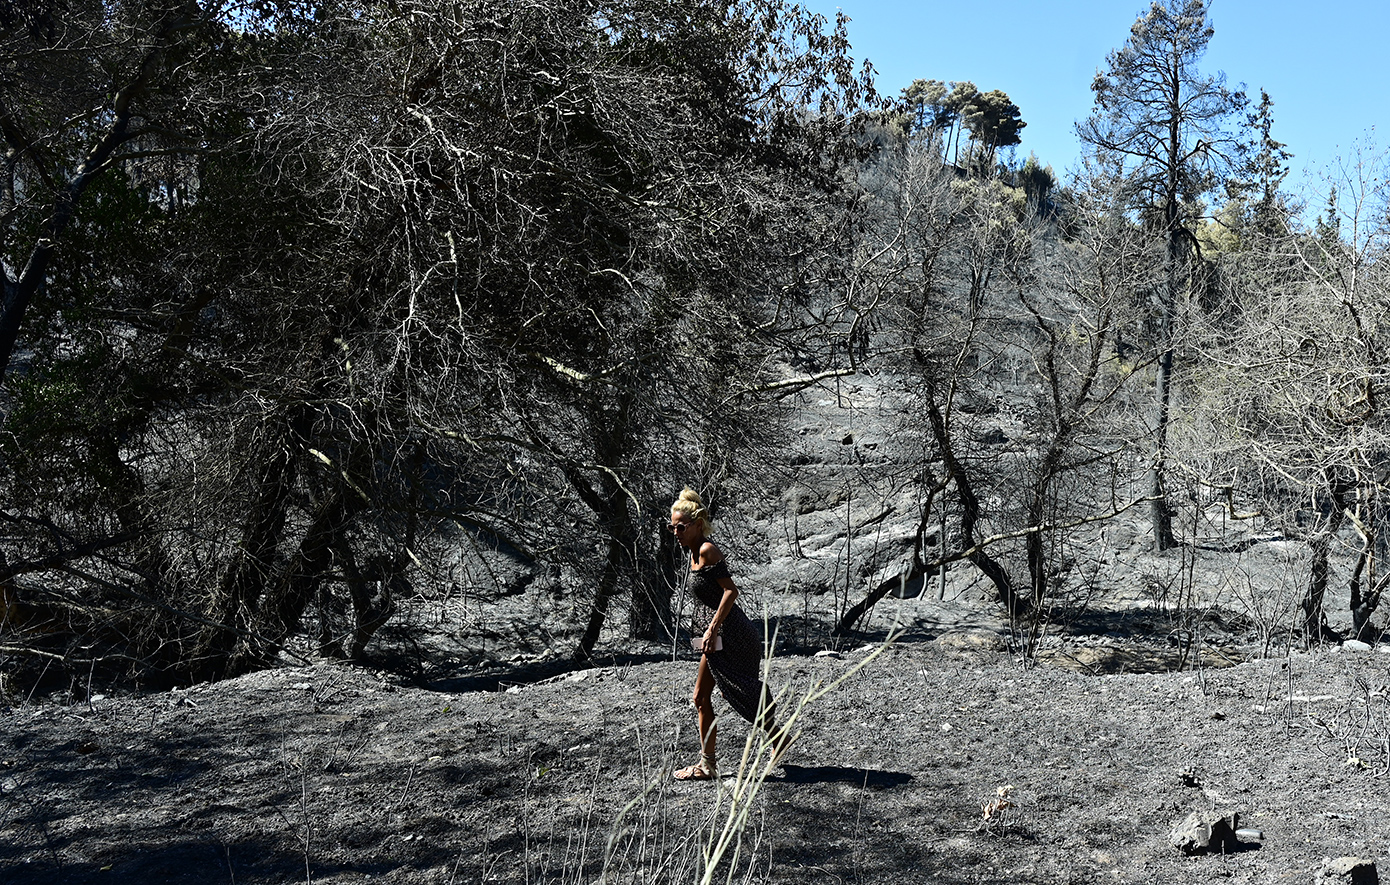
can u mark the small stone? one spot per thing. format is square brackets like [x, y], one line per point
[1348, 871]
[1203, 832]
[1356, 645]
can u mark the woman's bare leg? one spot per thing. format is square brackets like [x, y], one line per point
[704, 710]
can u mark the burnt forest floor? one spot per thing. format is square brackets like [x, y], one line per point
[336, 773]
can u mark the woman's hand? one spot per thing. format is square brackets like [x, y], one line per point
[711, 634]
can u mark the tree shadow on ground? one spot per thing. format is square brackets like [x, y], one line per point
[1145, 640]
[183, 801]
[506, 676]
[838, 774]
[799, 635]
[1150, 622]
[190, 860]
[500, 677]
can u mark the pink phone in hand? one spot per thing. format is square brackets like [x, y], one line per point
[698, 643]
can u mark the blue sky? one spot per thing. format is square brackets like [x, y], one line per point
[1324, 64]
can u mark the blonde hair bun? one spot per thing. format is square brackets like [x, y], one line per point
[692, 505]
[691, 495]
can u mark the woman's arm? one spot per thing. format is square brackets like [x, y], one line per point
[726, 603]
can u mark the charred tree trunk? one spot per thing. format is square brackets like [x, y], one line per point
[372, 616]
[603, 598]
[917, 569]
[280, 613]
[126, 489]
[1033, 550]
[970, 515]
[656, 584]
[307, 576]
[608, 500]
[618, 563]
[1039, 500]
[373, 599]
[253, 562]
[1315, 627]
[852, 616]
[1160, 511]
[1364, 604]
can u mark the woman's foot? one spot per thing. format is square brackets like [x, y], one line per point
[703, 770]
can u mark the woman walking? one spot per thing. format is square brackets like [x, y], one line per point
[732, 647]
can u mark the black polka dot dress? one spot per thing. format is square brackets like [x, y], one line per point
[738, 666]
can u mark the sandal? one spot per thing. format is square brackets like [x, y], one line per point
[701, 771]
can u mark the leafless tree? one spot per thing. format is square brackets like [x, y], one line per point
[472, 270]
[1297, 434]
